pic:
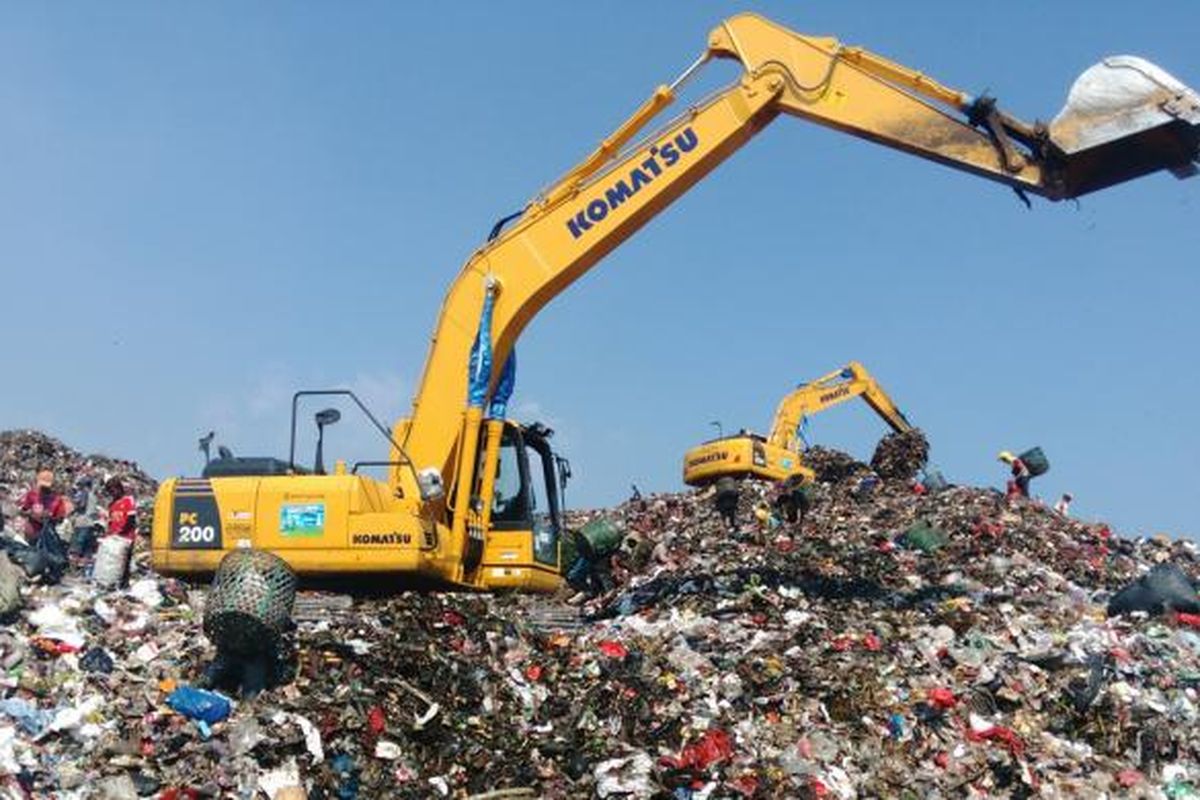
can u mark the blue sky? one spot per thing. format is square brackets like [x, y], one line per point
[206, 206]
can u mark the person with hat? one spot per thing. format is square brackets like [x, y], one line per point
[43, 505]
[1018, 486]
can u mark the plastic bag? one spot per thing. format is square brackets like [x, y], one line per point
[199, 704]
[10, 587]
[112, 558]
[1166, 587]
[53, 555]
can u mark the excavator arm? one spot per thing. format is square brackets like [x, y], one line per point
[621, 186]
[830, 390]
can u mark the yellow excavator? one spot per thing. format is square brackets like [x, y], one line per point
[472, 499]
[778, 455]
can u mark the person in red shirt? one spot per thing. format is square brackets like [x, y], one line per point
[42, 504]
[1019, 485]
[122, 510]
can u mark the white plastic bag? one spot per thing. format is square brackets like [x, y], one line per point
[111, 557]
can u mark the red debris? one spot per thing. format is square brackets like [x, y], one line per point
[872, 643]
[533, 672]
[1191, 620]
[746, 785]
[712, 748]
[999, 733]
[1129, 778]
[942, 699]
[376, 721]
[613, 649]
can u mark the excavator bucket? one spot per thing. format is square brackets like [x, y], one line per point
[1125, 118]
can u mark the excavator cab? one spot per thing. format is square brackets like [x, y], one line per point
[524, 516]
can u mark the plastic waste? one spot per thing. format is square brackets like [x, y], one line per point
[111, 557]
[924, 537]
[272, 782]
[96, 660]
[200, 704]
[629, 777]
[10, 588]
[115, 787]
[347, 773]
[1165, 588]
[32, 719]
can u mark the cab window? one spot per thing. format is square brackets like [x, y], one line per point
[509, 507]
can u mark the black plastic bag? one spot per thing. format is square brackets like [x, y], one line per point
[1164, 588]
[50, 561]
[96, 660]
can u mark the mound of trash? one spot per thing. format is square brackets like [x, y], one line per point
[23, 452]
[895, 643]
[901, 456]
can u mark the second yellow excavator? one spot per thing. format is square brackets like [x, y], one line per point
[778, 455]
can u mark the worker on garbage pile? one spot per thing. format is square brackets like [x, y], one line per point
[122, 510]
[42, 505]
[726, 500]
[1018, 486]
[640, 549]
[1063, 506]
[122, 518]
[85, 516]
[591, 572]
[792, 500]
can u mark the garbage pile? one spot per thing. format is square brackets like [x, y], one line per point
[23, 452]
[900, 456]
[893, 644]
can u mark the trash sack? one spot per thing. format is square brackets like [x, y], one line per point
[924, 537]
[604, 535]
[1036, 461]
[51, 562]
[83, 540]
[96, 660]
[10, 589]
[199, 704]
[1164, 588]
[112, 558]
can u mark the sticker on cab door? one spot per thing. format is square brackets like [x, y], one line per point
[306, 519]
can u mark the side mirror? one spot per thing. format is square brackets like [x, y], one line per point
[325, 417]
[206, 446]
